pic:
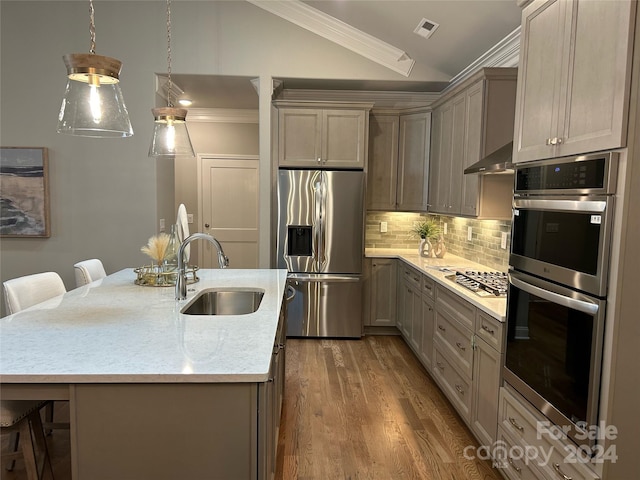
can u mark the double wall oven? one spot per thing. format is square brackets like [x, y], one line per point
[558, 276]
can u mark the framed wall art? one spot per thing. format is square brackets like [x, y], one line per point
[24, 192]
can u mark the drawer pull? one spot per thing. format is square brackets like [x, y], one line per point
[416, 279]
[440, 365]
[513, 422]
[441, 328]
[487, 329]
[460, 346]
[514, 466]
[459, 389]
[556, 467]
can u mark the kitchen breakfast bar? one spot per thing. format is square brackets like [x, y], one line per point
[154, 393]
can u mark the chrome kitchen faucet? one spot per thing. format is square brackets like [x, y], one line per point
[181, 279]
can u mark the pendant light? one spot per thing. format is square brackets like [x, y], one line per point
[93, 105]
[170, 134]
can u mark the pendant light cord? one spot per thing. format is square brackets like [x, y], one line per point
[169, 103]
[92, 28]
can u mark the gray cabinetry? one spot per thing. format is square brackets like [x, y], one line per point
[521, 425]
[315, 134]
[381, 297]
[488, 357]
[581, 102]
[398, 168]
[469, 122]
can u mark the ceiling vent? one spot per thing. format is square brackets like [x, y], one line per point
[426, 28]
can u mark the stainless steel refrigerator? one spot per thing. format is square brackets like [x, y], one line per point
[320, 242]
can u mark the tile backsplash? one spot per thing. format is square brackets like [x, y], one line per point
[484, 246]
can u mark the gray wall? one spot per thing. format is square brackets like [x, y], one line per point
[106, 194]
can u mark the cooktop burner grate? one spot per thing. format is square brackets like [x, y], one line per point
[482, 283]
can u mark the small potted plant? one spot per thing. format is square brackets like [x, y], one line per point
[426, 230]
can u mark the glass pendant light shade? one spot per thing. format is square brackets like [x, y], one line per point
[170, 134]
[93, 105]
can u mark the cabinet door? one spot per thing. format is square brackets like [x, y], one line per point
[343, 138]
[597, 86]
[448, 160]
[543, 40]
[440, 170]
[406, 326]
[472, 147]
[383, 292]
[415, 339]
[382, 175]
[487, 363]
[413, 161]
[426, 348]
[299, 137]
[457, 153]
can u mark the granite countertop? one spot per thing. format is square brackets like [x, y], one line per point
[496, 307]
[113, 331]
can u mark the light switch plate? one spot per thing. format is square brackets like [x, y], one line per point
[383, 227]
[162, 224]
[469, 233]
[189, 217]
[503, 241]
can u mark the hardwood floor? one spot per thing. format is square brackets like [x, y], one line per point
[353, 409]
[367, 409]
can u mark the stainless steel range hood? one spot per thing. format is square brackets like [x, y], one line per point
[496, 162]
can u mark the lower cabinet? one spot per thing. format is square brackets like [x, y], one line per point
[461, 347]
[520, 427]
[213, 430]
[380, 292]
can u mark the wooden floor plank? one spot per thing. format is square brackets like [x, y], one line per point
[381, 408]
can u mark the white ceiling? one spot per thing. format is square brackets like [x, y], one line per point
[467, 29]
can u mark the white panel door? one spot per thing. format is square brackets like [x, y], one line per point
[230, 210]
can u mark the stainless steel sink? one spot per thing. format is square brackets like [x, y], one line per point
[230, 301]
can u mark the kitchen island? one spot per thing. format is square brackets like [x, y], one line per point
[154, 393]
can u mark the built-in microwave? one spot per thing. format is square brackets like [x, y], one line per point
[562, 220]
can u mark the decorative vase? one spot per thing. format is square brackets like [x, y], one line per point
[440, 249]
[425, 249]
[170, 261]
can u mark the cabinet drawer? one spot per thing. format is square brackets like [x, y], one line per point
[412, 276]
[428, 286]
[490, 330]
[455, 340]
[455, 306]
[511, 462]
[455, 386]
[520, 422]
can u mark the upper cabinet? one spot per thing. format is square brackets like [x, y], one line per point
[470, 122]
[573, 86]
[319, 135]
[398, 170]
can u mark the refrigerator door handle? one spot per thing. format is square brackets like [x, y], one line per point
[317, 222]
[311, 277]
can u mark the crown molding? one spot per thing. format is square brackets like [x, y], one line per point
[505, 53]
[380, 99]
[332, 29]
[222, 115]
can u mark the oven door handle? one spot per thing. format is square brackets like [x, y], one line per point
[573, 303]
[583, 205]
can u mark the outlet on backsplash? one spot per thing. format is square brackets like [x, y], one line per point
[485, 247]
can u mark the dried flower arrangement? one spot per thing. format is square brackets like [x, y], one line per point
[156, 247]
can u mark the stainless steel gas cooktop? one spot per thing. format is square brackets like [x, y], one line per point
[484, 284]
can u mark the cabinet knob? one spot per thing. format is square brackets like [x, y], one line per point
[319, 160]
[206, 225]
